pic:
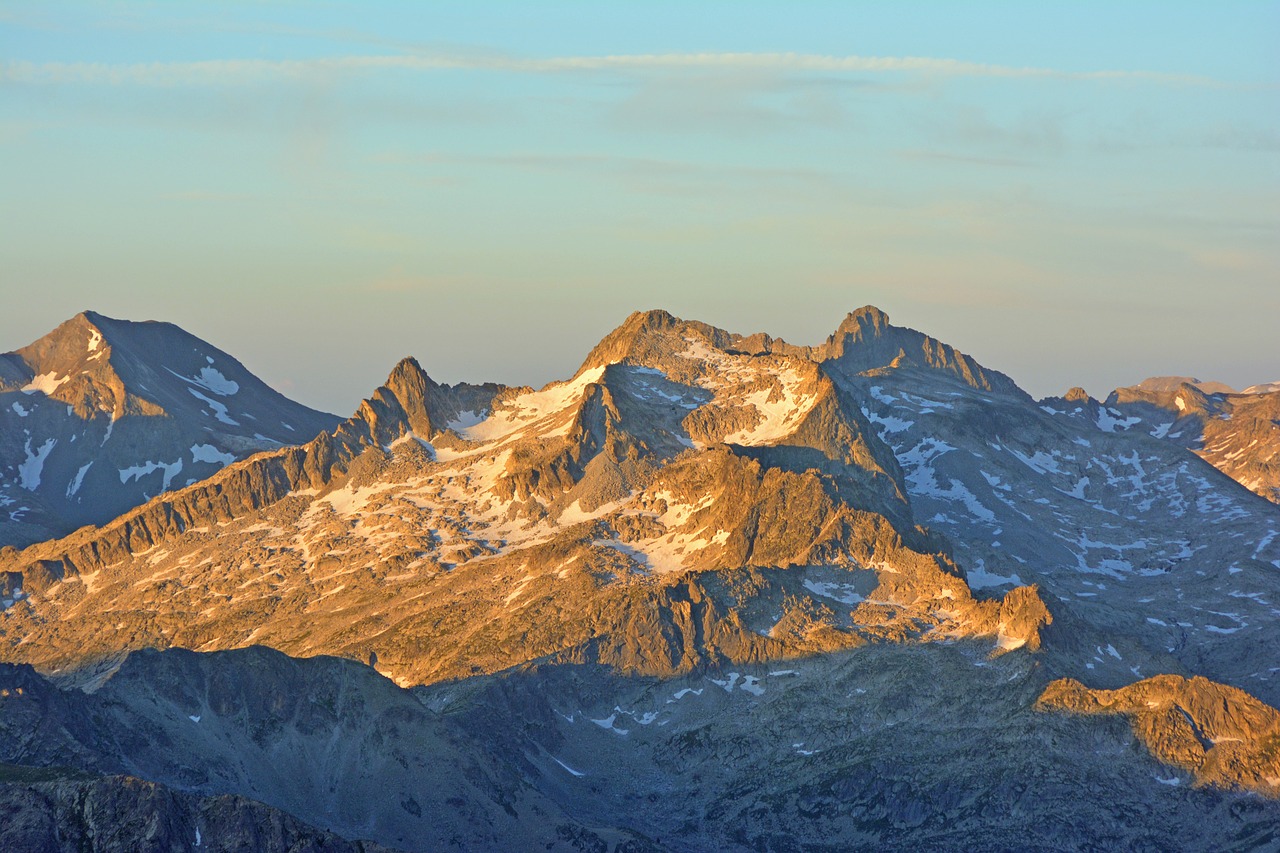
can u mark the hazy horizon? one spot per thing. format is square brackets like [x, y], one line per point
[1076, 196]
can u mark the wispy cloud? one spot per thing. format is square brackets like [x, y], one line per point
[224, 71]
[642, 173]
[927, 154]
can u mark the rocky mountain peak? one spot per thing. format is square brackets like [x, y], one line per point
[400, 406]
[410, 384]
[650, 337]
[866, 322]
[72, 364]
[1179, 394]
[1077, 395]
[865, 340]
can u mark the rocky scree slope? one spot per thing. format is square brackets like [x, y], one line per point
[101, 415]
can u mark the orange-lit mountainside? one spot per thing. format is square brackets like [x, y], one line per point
[710, 592]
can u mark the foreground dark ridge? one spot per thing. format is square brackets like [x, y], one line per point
[847, 750]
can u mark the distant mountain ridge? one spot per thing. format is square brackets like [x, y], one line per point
[101, 415]
[1238, 432]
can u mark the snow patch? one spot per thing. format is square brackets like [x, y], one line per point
[842, 592]
[1008, 643]
[514, 415]
[211, 380]
[17, 407]
[1040, 462]
[464, 420]
[923, 480]
[780, 413]
[219, 410]
[45, 383]
[607, 723]
[577, 773]
[74, 485]
[209, 453]
[30, 470]
[889, 423]
[979, 578]
[729, 683]
[1109, 419]
[137, 472]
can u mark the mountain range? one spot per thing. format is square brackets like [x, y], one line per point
[712, 591]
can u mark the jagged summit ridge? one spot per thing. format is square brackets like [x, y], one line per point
[864, 340]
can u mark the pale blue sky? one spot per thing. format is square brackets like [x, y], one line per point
[1076, 195]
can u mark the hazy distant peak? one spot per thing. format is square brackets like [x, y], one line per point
[1173, 383]
[1264, 388]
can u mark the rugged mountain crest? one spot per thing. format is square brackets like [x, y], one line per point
[411, 404]
[648, 335]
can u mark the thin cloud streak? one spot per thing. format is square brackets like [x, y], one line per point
[221, 71]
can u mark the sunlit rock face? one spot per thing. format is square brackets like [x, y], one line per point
[855, 589]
